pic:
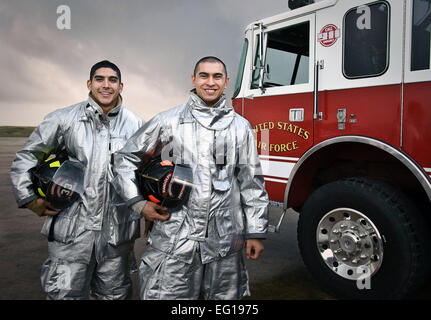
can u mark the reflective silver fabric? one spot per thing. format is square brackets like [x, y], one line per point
[70, 280]
[229, 203]
[165, 278]
[90, 137]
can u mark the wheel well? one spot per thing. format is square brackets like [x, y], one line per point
[352, 159]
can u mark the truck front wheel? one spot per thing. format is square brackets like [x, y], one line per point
[362, 238]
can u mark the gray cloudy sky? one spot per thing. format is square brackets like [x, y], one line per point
[155, 44]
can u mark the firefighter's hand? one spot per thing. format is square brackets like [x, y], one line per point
[41, 207]
[254, 248]
[152, 211]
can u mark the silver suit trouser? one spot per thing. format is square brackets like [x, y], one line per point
[106, 280]
[222, 279]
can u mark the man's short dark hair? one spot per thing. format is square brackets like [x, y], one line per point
[209, 59]
[105, 64]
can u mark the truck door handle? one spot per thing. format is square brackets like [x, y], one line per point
[316, 114]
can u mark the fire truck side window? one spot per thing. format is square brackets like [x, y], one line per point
[366, 41]
[421, 29]
[287, 57]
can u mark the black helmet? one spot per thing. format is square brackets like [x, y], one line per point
[159, 184]
[59, 181]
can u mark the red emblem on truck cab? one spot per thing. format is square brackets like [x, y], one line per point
[328, 35]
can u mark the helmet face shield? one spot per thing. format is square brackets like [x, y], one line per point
[167, 184]
[180, 185]
[70, 175]
[60, 182]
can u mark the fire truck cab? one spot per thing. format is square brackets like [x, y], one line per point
[339, 95]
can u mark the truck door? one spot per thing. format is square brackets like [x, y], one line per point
[360, 70]
[416, 134]
[279, 103]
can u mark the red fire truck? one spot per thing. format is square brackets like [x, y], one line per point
[339, 95]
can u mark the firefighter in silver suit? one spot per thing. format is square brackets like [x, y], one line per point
[195, 251]
[90, 253]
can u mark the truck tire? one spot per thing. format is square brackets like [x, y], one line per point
[363, 239]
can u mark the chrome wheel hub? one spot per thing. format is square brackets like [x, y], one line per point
[349, 243]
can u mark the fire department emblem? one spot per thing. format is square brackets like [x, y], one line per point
[328, 35]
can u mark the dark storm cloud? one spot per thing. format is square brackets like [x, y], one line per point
[155, 43]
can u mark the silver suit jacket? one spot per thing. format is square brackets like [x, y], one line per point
[229, 202]
[91, 137]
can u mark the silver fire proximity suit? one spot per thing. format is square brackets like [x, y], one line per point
[94, 237]
[198, 251]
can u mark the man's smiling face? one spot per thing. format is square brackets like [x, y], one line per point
[210, 81]
[105, 88]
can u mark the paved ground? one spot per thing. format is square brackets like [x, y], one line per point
[278, 274]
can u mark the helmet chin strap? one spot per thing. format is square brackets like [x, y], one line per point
[51, 229]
